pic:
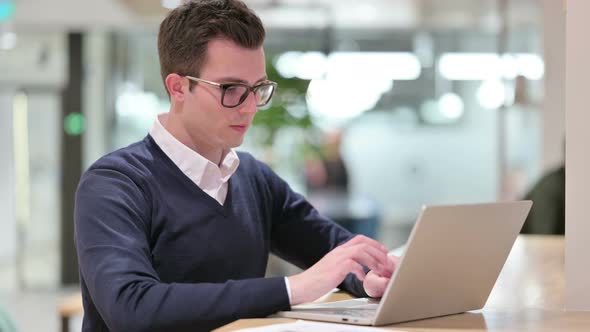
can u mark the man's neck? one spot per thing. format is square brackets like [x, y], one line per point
[176, 129]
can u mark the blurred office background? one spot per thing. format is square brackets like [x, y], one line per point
[413, 101]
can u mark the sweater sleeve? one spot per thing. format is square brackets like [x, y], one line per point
[300, 234]
[112, 227]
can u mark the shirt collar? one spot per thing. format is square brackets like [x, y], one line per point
[196, 167]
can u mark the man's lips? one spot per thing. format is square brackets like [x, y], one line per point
[240, 128]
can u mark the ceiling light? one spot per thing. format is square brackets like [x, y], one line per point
[171, 4]
[7, 40]
[487, 66]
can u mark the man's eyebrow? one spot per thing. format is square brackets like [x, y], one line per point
[239, 80]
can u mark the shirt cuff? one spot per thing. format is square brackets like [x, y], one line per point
[288, 290]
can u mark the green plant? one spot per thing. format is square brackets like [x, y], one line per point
[288, 107]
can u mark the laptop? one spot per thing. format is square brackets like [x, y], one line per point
[451, 263]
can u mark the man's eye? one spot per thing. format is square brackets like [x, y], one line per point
[235, 90]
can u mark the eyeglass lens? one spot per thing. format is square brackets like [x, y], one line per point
[237, 94]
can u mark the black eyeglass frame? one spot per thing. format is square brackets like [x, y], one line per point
[249, 89]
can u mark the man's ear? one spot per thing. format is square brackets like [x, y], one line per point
[174, 86]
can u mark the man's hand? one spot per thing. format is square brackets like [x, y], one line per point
[331, 270]
[375, 283]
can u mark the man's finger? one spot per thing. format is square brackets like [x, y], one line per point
[369, 256]
[363, 239]
[375, 286]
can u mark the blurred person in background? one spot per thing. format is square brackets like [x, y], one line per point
[327, 180]
[173, 232]
[547, 215]
[327, 171]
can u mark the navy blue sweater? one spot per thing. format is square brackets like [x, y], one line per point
[157, 253]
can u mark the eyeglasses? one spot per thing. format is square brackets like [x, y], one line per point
[234, 94]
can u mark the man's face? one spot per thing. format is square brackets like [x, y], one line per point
[209, 123]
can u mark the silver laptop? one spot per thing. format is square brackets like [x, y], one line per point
[452, 260]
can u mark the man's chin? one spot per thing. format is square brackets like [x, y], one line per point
[235, 143]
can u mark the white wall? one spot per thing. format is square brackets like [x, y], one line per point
[39, 59]
[404, 165]
[96, 84]
[7, 213]
[554, 103]
[42, 232]
[37, 66]
[72, 14]
[577, 270]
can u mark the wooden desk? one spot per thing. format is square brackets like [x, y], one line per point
[529, 296]
[69, 307]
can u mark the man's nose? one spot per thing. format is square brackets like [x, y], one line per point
[249, 105]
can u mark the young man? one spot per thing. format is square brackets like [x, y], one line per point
[173, 232]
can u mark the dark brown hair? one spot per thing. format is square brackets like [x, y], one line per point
[186, 31]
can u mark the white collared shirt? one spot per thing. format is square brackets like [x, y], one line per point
[212, 179]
